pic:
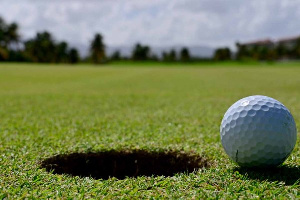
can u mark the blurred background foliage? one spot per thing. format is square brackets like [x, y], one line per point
[44, 48]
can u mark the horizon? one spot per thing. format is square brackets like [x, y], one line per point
[156, 23]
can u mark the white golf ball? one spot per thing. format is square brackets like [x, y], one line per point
[258, 131]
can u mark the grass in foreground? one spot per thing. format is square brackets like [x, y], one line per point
[47, 111]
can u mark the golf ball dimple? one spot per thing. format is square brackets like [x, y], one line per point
[258, 131]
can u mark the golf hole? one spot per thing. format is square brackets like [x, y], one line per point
[122, 164]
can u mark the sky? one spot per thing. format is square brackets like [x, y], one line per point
[213, 23]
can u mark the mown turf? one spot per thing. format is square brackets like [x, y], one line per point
[51, 110]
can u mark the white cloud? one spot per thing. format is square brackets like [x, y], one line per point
[156, 22]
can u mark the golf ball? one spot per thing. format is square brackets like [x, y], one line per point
[258, 131]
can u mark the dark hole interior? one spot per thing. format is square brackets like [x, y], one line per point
[122, 164]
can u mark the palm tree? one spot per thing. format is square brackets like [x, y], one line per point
[13, 36]
[9, 39]
[8, 33]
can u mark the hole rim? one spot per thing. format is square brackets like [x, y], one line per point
[170, 163]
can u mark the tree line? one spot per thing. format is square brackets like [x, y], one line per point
[267, 50]
[289, 49]
[43, 48]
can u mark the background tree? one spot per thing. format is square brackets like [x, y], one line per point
[4, 54]
[62, 52]
[165, 56]
[73, 56]
[154, 57]
[169, 56]
[116, 56]
[8, 33]
[281, 51]
[242, 51]
[222, 54]
[296, 49]
[12, 35]
[41, 48]
[141, 52]
[172, 55]
[261, 53]
[9, 39]
[2, 32]
[185, 55]
[97, 49]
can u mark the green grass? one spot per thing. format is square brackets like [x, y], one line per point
[50, 110]
[205, 63]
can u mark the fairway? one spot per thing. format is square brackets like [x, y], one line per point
[50, 110]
